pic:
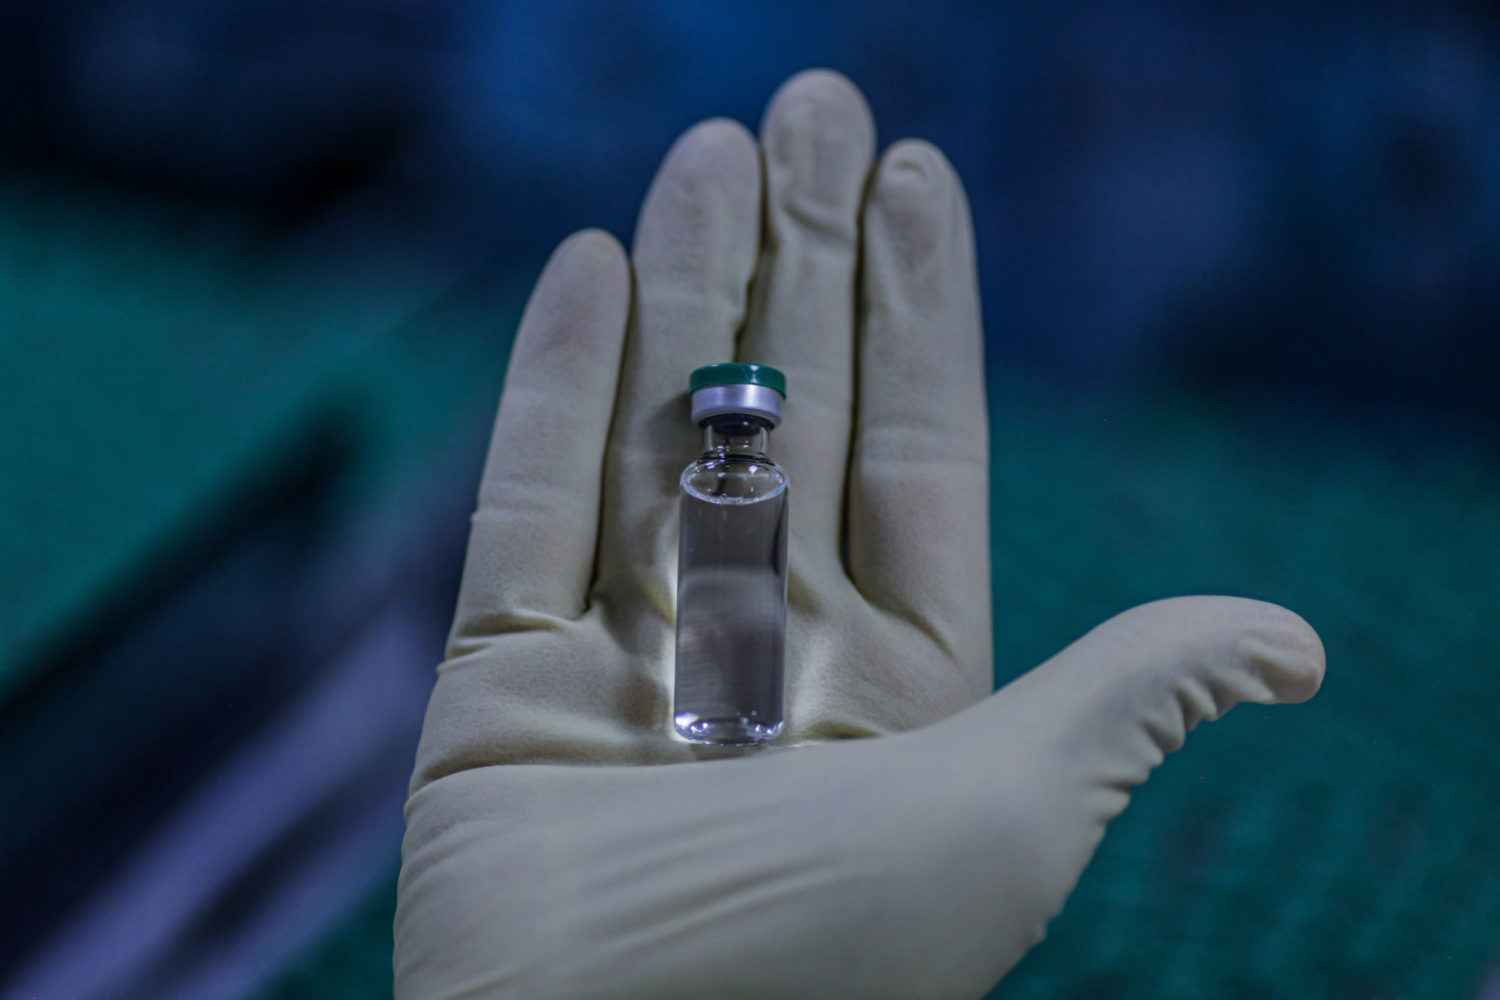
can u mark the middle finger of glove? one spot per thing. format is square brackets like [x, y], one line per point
[819, 138]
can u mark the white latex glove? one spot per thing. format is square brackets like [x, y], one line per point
[561, 840]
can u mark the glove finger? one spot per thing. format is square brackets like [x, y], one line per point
[1066, 742]
[919, 480]
[1127, 693]
[818, 136]
[531, 547]
[695, 249]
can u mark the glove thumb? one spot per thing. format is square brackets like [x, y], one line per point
[1068, 740]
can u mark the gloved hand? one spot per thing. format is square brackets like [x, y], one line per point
[561, 840]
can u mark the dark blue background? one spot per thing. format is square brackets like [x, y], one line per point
[1230, 193]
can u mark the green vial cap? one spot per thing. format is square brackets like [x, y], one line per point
[736, 373]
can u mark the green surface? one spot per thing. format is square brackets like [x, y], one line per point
[1342, 848]
[353, 962]
[162, 368]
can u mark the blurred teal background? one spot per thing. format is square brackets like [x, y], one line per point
[259, 270]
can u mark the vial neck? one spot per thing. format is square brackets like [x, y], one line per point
[735, 436]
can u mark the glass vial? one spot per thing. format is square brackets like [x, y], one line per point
[731, 562]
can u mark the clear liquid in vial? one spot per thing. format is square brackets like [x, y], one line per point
[731, 602]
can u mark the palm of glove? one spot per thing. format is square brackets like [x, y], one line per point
[919, 864]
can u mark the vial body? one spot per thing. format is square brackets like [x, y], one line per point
[731, 592]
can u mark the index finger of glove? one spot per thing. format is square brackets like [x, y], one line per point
[531, 546]
[694, 254]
